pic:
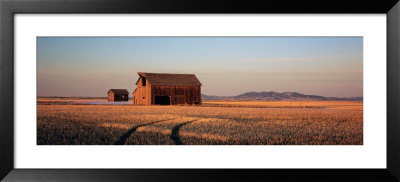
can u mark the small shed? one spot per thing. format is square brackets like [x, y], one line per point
[118, 95]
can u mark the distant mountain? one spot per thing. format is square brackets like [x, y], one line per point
[275, 96]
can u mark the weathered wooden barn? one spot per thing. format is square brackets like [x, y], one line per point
[118, 95]
[167, 89]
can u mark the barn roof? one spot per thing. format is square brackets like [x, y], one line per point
[169, 79]
[118, 91]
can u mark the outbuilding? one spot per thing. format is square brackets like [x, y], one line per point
[167, 89]
[118, 95]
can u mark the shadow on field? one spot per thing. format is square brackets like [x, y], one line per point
[125, 136]
[175, 132]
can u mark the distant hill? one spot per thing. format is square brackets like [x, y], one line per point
[275, 96]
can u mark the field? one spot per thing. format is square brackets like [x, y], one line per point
[73, 121]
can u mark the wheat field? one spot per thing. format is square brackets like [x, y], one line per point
[213, 123]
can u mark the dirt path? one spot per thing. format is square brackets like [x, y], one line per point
[125, 136]
[175, 132]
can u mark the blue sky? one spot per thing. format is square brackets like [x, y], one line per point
[89, 66]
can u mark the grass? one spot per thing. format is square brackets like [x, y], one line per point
[213, 123]
[353, 105]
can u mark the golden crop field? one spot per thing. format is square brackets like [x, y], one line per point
[213, 123]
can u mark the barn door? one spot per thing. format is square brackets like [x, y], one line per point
[162, 100]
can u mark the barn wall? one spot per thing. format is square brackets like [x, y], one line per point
[177, 94]
[142, 91]
[110, 96]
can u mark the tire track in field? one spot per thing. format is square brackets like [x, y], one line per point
[125, 136]
[175, 132]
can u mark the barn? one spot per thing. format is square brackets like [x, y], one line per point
[167, 89]
[118, 95]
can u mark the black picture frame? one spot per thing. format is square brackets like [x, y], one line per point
[8, 8]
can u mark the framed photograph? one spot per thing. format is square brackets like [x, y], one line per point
[170, 91]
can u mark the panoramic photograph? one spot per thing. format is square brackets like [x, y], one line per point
[199, 90]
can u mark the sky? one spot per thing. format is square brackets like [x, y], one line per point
[226, 66]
